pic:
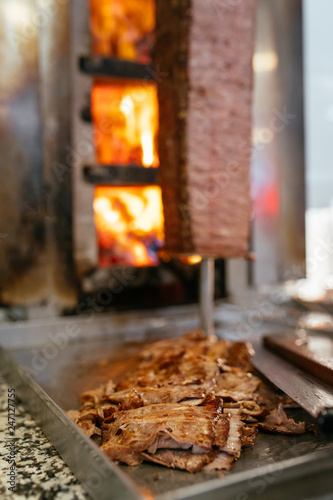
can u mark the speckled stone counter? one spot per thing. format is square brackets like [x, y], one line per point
[40, 473]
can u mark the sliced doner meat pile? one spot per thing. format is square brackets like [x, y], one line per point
[190, 403]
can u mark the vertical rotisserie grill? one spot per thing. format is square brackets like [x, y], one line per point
[123, 110]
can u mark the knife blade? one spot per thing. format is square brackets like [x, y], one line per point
[314, 396]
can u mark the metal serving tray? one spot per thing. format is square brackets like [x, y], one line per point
[49, 375]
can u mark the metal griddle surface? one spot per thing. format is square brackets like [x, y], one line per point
[85, 364]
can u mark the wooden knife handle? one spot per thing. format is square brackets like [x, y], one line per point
[287, 346]
[325, 421]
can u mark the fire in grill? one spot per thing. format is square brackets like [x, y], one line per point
[123, 28]
[129, 223]
[125, 118]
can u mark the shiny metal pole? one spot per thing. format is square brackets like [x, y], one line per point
[207, 295]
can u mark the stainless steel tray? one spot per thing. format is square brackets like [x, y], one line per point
[277, 467]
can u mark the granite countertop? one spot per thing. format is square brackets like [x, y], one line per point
[40, 472]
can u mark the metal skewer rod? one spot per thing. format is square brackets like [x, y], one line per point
[207, 295]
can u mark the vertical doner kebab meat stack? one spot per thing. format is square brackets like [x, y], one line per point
[204, 56]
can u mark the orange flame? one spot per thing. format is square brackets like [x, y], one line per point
[192, 259]
[123, 28]
[125, 118]
[130, 225]
[186, 259]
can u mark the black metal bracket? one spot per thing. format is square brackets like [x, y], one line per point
[86, 114]
[117, 175]
[117, 68]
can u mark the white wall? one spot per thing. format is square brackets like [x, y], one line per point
[318, 67]
[318, 80]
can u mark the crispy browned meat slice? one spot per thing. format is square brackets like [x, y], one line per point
[234, 395]
[221, 430]
[196, 341]
[251, 408]
[92, 397]
[166, 426]
[108, 409]
[219, 349]
[239, 355]
[184, 368]
[89, 428]
[237, 380]
[277, 421]
[223, 461]
[143, 396]
[248, 435]
[177, 459]
[234, 441]
[96, 396]
[86, 421]
[133, 400]
[269, 396]
[136, 430]
[89, 419]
